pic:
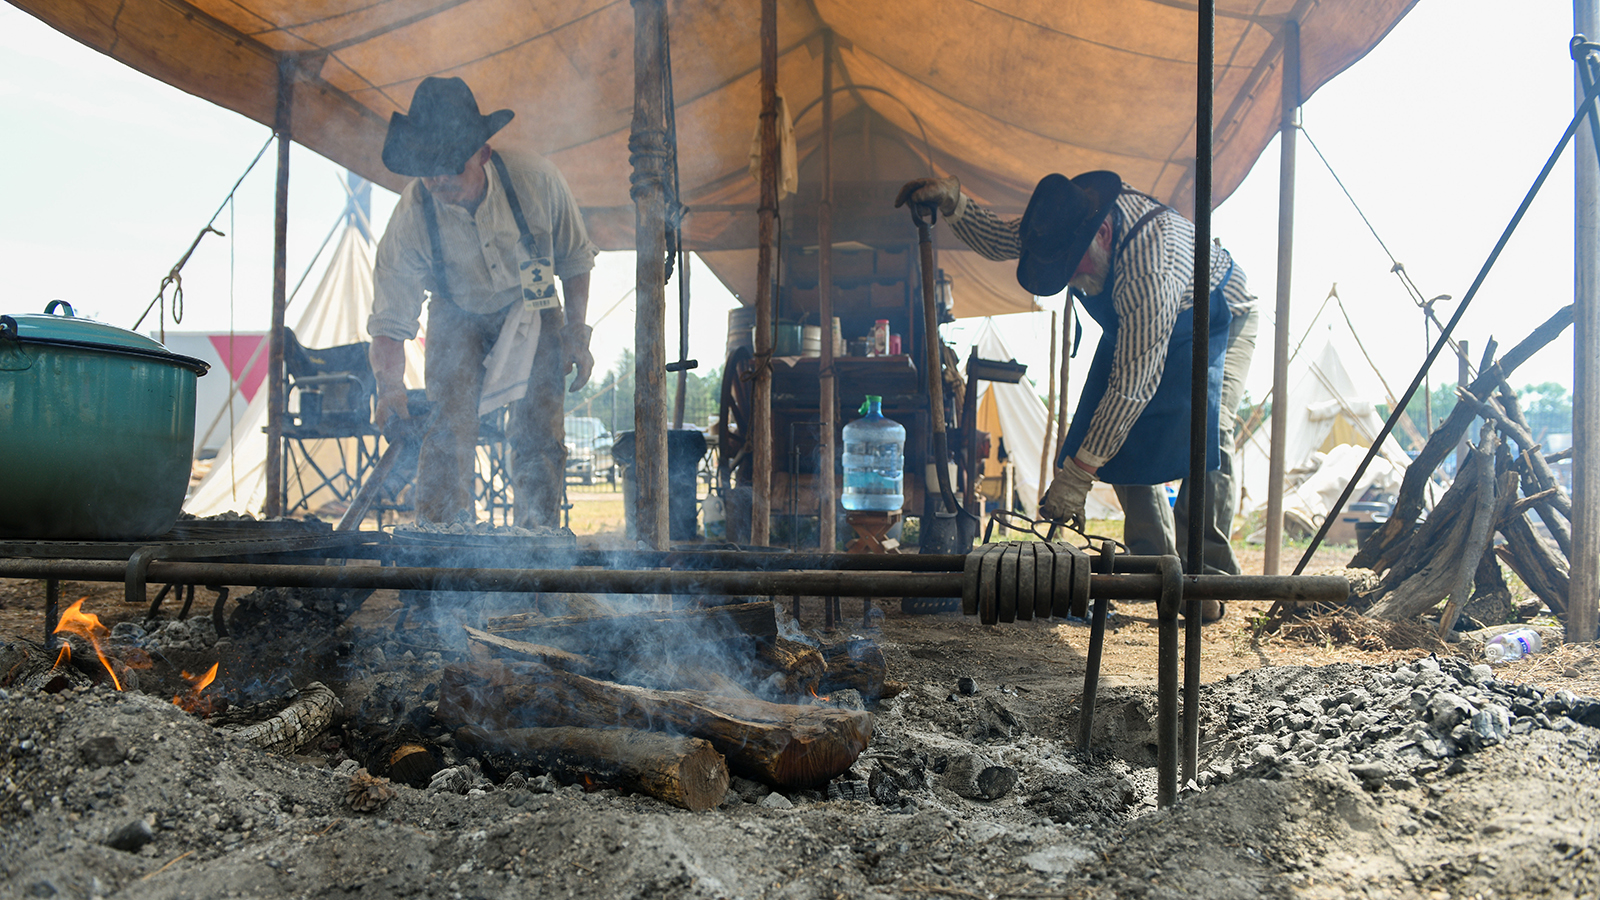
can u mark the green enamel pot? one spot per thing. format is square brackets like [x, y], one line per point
[96, 429]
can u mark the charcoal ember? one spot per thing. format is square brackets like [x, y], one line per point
[883, 788]
[966, 686]
[848, 790]
[454, 780]
[994, 722]
[748, 789]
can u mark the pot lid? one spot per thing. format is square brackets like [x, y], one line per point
[67, 330]
[66, 326]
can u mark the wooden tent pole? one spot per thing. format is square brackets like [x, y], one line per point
[1066, 382]
[1280, 328]
[648, 146]
[761, 392]
[828, 403]
[1585, 585]
[276, 389]
[683, 335]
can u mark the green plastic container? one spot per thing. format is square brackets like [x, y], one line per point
[96, 429]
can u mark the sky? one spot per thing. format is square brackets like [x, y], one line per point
[1437, 133]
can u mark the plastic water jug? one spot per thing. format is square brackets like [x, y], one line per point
[874, 460]
[1512, 645]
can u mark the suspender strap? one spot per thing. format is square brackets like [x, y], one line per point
[432, 218]
[511, 199]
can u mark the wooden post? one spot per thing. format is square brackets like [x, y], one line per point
[1280, 330]
[683, 335]
[761, 392]
[284, 127]
[648, 148]
[1585, 588]
[828, 404]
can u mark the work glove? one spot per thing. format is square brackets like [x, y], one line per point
[1064, 501]
[928, 192]
[575, 355]
[390, 404]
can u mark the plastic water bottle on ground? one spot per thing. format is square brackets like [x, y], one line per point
[1513, 645]
[874, 460]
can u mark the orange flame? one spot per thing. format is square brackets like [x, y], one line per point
[191, 701]
[820, 698]
[87, 626]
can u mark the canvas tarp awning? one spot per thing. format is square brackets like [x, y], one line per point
[998, 93]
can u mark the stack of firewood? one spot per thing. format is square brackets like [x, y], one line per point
[1451, 556]
[666, 703]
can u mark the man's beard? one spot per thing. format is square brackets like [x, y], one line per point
[1098, 256]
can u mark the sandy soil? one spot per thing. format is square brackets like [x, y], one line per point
[87, 771]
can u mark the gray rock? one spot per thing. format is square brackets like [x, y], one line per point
[131, 837]
[966, 686]
[1371, 774]
[1264, 753]
[102, 750]
[1492, 723]
[776, 800]
[1447, 710]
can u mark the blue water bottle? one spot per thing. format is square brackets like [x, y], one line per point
[874, 460]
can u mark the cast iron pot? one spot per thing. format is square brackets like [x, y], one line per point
[96, 429]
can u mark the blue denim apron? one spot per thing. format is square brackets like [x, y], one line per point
[1157, 446]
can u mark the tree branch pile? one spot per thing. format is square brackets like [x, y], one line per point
[1450, 556]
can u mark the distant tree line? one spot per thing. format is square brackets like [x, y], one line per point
[609, 397]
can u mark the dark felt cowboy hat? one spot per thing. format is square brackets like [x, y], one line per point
[1062, 216]
[442, 131]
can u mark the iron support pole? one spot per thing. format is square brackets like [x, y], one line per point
[283, 126]
[1279, 434]
[828, 401]
[649, 151]
[766, 231]
[1199, 388]
[1585, 583]
[1170, 599]
[844, 583]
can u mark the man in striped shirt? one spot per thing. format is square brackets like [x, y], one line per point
[1134, 275]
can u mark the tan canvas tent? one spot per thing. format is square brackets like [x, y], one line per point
[995, 93]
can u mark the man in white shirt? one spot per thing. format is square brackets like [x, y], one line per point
[484, 236]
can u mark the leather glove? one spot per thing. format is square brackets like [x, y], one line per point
[1064, 501]
[390, 404]
[941, 192]
[575, 355]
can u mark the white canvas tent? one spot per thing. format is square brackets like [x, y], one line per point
[335, 315]
[1331, 423]
[1014, 413]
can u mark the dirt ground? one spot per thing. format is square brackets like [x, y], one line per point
[1329, 768]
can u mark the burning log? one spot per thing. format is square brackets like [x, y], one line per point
[24, 664]
[485, 647]
[683, 771]
[789, 669]
[286, 729]
[602, 634]
[782, 745]
[855, 664]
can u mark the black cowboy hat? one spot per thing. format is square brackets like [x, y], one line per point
[1062, 217]
[442, 131]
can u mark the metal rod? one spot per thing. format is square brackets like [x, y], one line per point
[844, 583]
[1097, 641]
[1279, 433]
[1167, 682]
[52, 611]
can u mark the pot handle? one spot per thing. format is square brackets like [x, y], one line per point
[59, 304]
[12, 356]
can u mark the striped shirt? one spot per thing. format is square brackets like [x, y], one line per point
[1154, 282]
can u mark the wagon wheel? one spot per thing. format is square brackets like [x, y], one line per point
[733, 421]
[733, 445]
